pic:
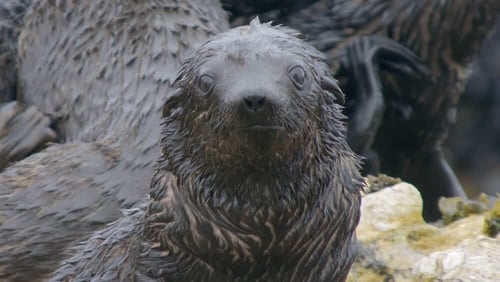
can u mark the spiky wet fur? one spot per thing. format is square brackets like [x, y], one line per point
[214, 217]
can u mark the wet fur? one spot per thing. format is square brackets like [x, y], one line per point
[211, 217]
[446, 35]
[101, 69]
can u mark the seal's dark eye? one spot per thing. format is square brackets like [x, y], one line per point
[206, 83]
[297, 75]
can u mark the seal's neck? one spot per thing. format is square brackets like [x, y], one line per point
[299, 213]
[238, 240]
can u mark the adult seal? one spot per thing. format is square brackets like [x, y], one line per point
[101, 70]
[416, 116]
[256, 181]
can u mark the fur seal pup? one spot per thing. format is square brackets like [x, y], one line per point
[256, 181]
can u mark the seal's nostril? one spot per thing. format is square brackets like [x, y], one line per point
[254, 103]
[261, 102]
[248, 103]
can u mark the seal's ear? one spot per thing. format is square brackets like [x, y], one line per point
[172, 102]
[175, 91]
[330, 85]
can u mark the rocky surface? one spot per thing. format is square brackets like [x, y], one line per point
[475, 259]
[396, 244]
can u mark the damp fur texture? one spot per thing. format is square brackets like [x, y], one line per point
[101, 69]
[230, 204]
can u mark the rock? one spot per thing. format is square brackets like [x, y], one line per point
[492, 221]
[454, 208]
[473, 260]
[377, 183]
[386, 212]
[396, 244]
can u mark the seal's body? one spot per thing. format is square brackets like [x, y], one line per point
[256, 181]
[417, 116]
[101, 69]
[477, 157]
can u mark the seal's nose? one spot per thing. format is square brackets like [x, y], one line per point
[254, 103]
[255, 106]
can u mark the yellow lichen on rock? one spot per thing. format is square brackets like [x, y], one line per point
[397, 245]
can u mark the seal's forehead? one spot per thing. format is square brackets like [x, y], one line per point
[258, 38]
[245, 45]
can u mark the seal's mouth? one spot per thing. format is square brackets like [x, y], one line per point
[261, 127]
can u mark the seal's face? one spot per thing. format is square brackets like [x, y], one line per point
[254, 102]
[251, 99]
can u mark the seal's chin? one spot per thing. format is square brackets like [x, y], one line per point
[258, 138]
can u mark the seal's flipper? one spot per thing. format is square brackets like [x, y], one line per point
[363, 60]
[22, 131]
[434, 171]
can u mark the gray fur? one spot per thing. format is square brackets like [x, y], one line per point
[102, 70]
[225, 207]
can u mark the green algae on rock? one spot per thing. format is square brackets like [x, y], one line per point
[379, 182]
[492, 221]
[455, 208]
